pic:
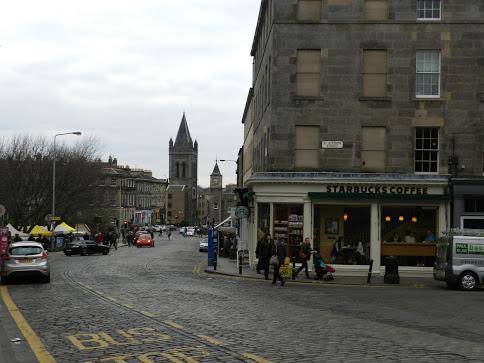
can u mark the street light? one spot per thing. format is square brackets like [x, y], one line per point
[78, 133]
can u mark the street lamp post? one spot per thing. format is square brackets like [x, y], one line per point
[78, 133]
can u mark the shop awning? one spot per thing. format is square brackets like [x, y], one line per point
[383, 197]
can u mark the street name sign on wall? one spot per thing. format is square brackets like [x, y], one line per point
[326, 144]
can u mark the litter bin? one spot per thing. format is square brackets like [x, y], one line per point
[391, 271]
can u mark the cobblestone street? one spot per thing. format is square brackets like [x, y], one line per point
[154, 305]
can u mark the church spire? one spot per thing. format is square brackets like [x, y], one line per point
[183, 138]
[216, 170]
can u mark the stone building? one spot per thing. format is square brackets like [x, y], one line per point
[183, 155]
[221, 199]
[363, 123]
[132, 195]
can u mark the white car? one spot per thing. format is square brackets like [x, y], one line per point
[190, 232]
[203, 245]
[25, 259]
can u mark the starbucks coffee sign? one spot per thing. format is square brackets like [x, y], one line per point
[378, 189]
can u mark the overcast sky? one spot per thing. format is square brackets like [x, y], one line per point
[125, 71]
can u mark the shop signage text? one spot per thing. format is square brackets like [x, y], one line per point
[377, 189]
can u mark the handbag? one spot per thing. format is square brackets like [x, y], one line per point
[302, 255]
[274, 260]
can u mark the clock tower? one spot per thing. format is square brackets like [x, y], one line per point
[216, 190]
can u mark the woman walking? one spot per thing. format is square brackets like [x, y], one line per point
[305, 256]
[263, 253]
[278, 255]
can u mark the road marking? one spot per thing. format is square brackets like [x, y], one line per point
[255, 358]
[111, 299]
[148, 314]
[127, 306]
[173, 324]
[211, 340]
[34, 341]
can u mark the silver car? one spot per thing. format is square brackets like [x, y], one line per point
[25, 259]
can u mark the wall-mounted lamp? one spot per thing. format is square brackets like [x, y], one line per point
[414, 219]
[345, 217]
[401, 218]
[388, 219]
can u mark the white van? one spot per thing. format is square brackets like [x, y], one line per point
[460, 259]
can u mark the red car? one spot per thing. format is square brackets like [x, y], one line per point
[145, 240]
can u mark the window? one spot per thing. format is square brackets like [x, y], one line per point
[374, 73]
[308, 73]
[474, 205]
[427, 83]
[376, 10]
[183, 170]
[429, 9]
[373, 148]
[177, 170]
[309, 10]
[169, 213]
[426, 149]
[307, 147]
[215, 205]
[169, 204]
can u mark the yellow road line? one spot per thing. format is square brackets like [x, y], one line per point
[211, 340]
[173, 324]
[34, 341]
[255, 358]
[145, 313]
[127, 306]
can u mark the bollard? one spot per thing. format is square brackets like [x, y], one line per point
[240, 263]
[293, 268]
[368, 280]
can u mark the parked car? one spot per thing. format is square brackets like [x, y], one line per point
[190, 232]
[25, 259]
[84, 247]
[145, 240]
[203, 245]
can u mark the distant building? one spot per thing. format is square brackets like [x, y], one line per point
[132, 195]
[183, 171]
[176, 204]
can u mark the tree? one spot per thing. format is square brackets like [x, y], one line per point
[26, 178]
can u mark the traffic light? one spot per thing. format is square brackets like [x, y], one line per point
[125, 224]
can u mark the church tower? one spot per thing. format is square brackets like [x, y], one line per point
[183, 169]
[216, 190]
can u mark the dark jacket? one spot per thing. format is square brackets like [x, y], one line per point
[277, 248]
[263, 249]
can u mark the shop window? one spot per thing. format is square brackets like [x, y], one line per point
[474, 205]
[376, 10]
[263, 219]
[308, 73]
[374, 73]
[342, 233]
[309, 10]
[373, 148]
[472, 222]
[409, 233]
[288, 226]
[426, 149]
[307, 147]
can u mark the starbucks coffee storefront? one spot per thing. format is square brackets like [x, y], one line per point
[353, 218]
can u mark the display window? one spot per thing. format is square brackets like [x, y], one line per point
[263, 219]
[288, 226]
[342, 233]
[409, 233]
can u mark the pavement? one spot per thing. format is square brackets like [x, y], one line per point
[228, 267]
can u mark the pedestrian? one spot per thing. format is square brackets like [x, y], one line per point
[169, 234]
[113, 240]
[152, 233]
[278, 254]
[161, 232]
[17, 238]
[305, 256]
[263, 253]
